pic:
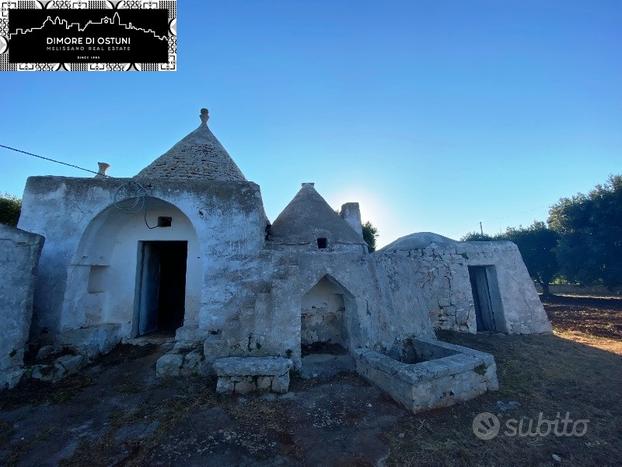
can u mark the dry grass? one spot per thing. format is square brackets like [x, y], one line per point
[544, 374]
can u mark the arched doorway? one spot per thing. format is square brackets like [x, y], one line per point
[327, 313]
[138, 266]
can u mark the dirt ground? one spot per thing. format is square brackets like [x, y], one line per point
[117, 413]
[595, 321]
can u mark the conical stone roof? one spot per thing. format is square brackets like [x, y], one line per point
[198, 156]
[308, 217]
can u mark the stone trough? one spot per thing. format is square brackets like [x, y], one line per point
[249, 374]
[424, 374]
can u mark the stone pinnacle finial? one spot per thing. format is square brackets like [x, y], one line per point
[103, 166]
[204, 116]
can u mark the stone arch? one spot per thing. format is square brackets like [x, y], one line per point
[329, 316]
[103, 276]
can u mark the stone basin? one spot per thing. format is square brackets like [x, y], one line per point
[423, 374]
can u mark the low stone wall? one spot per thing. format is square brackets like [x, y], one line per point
[19, 257]
[249, 374]
[439, 382]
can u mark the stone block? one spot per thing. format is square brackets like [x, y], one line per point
[62, 367]
[71, 364]
[252, 366]
[194, 363]
[44, 372]
[214, 347]
[280, 384]
[45, 351]
[225, 385]
[245, 386]
[169, 365]
[48, 373]
[264, 383]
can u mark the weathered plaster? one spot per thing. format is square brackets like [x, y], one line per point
[19, 255]
[226, 219]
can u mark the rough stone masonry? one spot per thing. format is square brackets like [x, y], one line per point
[19, 255]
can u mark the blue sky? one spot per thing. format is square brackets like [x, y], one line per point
[435, 115]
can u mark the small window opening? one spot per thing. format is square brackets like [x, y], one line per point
[164, 221]
[322, 243]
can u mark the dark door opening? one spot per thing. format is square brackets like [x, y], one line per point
[485, 297]
[162, 286]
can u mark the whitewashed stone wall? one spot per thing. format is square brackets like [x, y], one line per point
[244, 294]
[265, 317]
[437, 278]
[226, 218]
[19, 255]
[431, 279]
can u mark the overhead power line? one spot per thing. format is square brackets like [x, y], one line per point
[140, 194]
[50, 159]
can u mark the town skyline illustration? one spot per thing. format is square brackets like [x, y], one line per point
[115, 20]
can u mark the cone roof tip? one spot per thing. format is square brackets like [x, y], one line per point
[204, 116]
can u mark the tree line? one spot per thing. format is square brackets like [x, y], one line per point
[580, 243]
[10, 208]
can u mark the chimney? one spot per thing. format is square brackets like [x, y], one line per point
[103, 166]
[351, 213]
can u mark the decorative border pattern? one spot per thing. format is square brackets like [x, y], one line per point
[6, 5]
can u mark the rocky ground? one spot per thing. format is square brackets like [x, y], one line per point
[116, 412]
